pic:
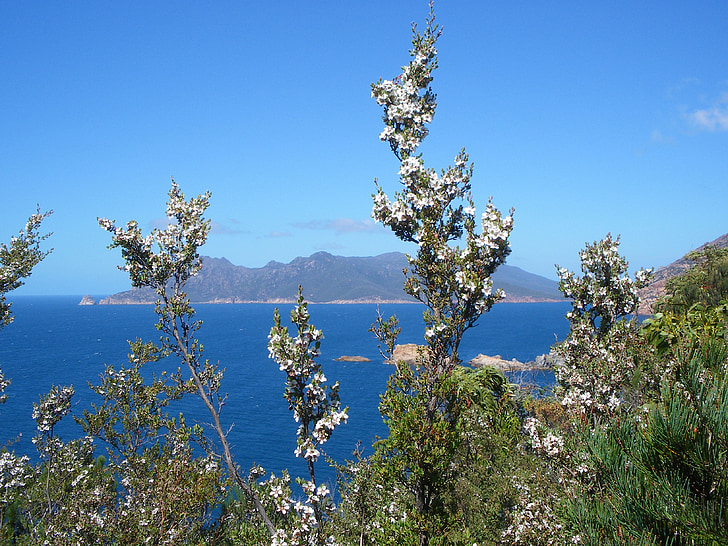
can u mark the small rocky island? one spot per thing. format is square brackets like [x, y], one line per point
[347, 358]
[87, 300]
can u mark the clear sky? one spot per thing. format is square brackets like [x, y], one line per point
[585, 117]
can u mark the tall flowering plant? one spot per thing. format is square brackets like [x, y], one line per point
[316, 406]
[66, 500]
[451, 271]
[17, 261]
[457, 252]
[164, 260]
[605, 293]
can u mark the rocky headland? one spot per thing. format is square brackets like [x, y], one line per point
[656, 289]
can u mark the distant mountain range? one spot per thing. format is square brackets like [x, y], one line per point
[327, 279]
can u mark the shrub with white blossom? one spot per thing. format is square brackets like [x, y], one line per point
[18, 259]
[660, 474]
[161, 480]
[164, 260]
[15, 473]
[316, 406]
[64, 494]
[457, 252]
[598, 364]
[436, 212]
[605, 293]
[533, 521]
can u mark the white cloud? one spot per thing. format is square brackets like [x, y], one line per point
[340, 225]
[218, 228]
[657, 136]
[712, 119]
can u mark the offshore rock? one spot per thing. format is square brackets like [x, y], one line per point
[346, 358]
[409, 353]
[87, 300]
[541, 362]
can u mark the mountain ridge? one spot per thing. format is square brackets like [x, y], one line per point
[327, 278]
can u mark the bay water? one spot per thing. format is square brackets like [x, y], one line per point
[54, 341]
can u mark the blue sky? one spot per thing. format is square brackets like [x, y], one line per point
[587, 118]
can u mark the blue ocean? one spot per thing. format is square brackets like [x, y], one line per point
[53, 340]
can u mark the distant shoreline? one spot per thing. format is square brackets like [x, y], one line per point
[86, 300]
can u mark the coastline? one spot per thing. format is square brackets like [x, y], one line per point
[110, 300]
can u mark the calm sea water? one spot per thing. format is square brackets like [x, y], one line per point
[55, 341]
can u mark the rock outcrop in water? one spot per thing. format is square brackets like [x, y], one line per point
[347, 358]
[408, 353]
[87, 300]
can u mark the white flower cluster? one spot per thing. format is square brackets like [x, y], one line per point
[408, 103]
[279, 491]
[386, 502]
[4, 384]
[533, 521]
[315, 405]
[17, 261]
[52, 408]
[596, 370]
[177, 244]
[605, 293]
[14, 473]
[304, 528]
[548, 444]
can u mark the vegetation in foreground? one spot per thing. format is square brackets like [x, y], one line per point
[629, 449]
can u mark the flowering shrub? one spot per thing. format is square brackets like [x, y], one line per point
[18, 260]
[63, 495]
[543, 442]
[371, 510]
[533, 522]
[298, 523]
[165, 492]
[596, 377]
[318, 409]
[598, 361]
[605, 293]
[435, 211]
[164, 261]
[15, 473]
[660, 474]
[457, 252]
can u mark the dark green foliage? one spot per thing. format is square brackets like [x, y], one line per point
[457, 464]
[706, 282]
[669, 331]
[662, 476]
